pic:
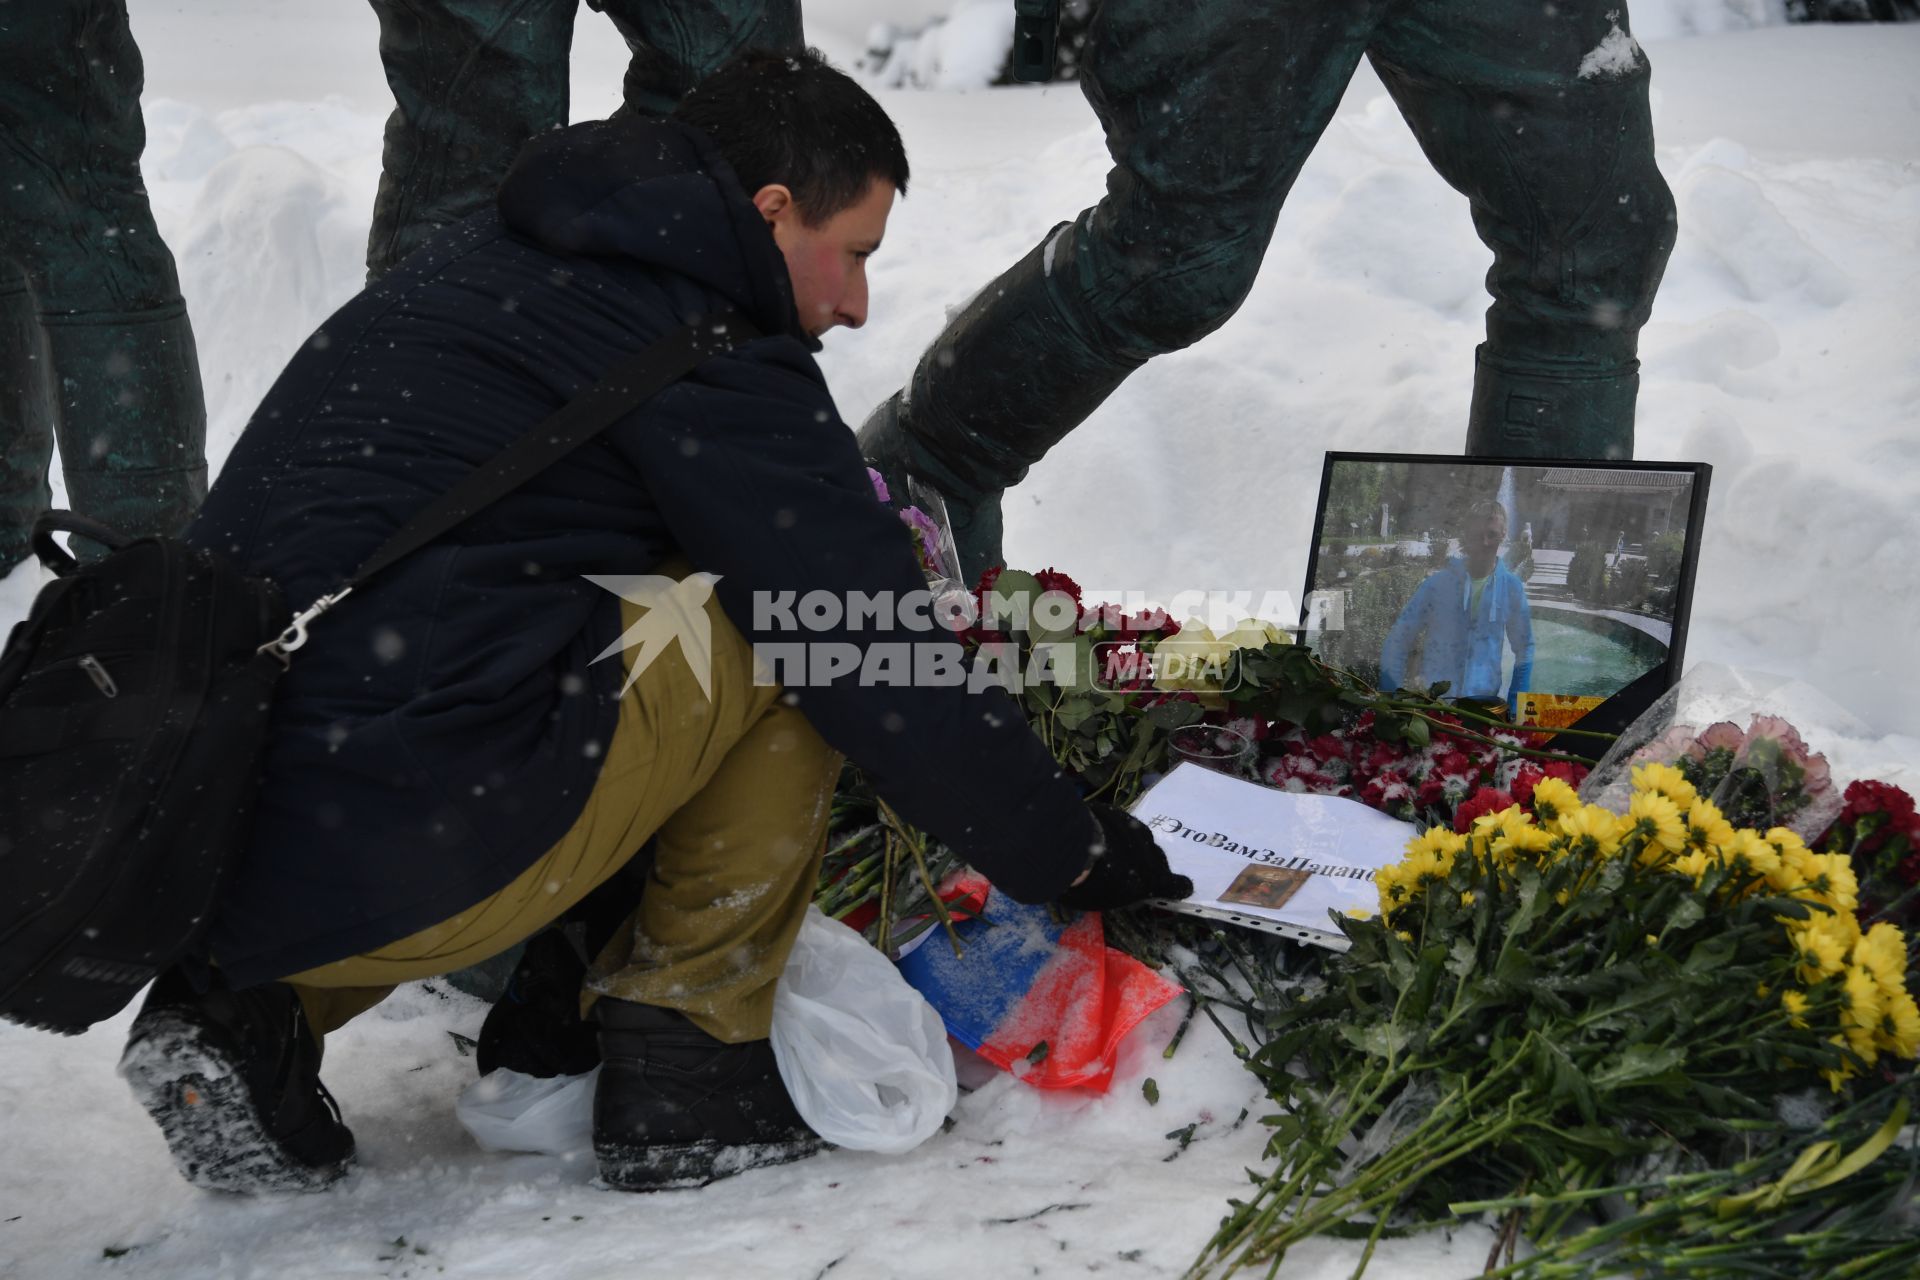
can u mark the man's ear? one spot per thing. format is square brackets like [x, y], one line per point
[772, 200]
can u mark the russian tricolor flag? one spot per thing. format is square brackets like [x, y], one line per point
[1048, 1001]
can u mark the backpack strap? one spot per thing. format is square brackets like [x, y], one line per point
[631, 383]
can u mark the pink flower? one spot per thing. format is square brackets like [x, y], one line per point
[1777, 728]
[1679, 740]
[1718, 735]
[927, 533]
[879, 485]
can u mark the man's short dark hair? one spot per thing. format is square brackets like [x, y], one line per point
[1487, 507]
[792, 119]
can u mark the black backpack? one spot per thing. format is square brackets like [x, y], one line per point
[134, 703]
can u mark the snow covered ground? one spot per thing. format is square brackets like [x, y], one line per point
[1782, 351]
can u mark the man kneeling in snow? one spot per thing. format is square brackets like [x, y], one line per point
[450, 771]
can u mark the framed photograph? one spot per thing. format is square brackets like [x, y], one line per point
[1557, 591]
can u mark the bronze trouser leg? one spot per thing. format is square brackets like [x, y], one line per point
[735, 789]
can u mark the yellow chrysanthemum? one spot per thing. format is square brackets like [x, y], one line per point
[1787, 843]
[1838, 1076]
[1821, 946]
[1590, 827]
[1432, 853]
[1882, 951]
[1665, 780]
[1798, 868]
[1529, 842]
[1656, 820]
[1695, 863]
[1796, 1006]
[1831, 881]
[1750, 849]
[1492, 826]
[1861, 1008]
[1394, 886]
[1553, 799]
[1707, 827]
[1900, 1026]
[1467, 897]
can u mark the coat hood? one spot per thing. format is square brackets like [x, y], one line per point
[654, 192]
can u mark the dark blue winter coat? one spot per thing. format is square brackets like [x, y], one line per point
[445, 724]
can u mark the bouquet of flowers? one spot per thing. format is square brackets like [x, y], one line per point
[1878, 829]
[1763, 776]
[1562, 1008]
[1136, 679]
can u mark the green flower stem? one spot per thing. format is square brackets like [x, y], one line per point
[1537, 1200]
[1391, 1171]
[1459, 731]
[1380, 1220]
[916, 844]
[1364, 1194]
[1179, 1033]
[883, 934]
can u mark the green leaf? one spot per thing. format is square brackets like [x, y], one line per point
[1150, 1090]
[1685, 914]
[1018, 589]
[1376, 1039]
[1175, 714]
[1075, 710]
[1638, 1062]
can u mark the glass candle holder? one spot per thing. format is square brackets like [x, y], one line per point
[1214, 747]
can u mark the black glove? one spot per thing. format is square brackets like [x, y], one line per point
[1127, 868]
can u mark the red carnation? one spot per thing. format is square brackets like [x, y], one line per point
[1327, 747]
[1054, 580]
[1863, 798]
[1382, 756]
[1485, 800]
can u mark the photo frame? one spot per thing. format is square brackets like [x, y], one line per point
[1557, 590]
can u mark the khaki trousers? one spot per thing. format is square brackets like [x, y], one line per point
[736, 788]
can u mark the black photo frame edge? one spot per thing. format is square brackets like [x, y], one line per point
[1626, 705]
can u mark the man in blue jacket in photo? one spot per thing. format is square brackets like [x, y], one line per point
[450, 769]
[1461, 616]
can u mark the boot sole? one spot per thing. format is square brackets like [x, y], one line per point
[679, 1166]
[203, 1107]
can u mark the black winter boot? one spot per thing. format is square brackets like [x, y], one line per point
[677, 1108]
[233, 1079]
[535, 1026]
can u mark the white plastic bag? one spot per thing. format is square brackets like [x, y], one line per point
[863, 1054]
[551, 1115]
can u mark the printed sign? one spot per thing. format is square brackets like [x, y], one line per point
[1266, 859]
